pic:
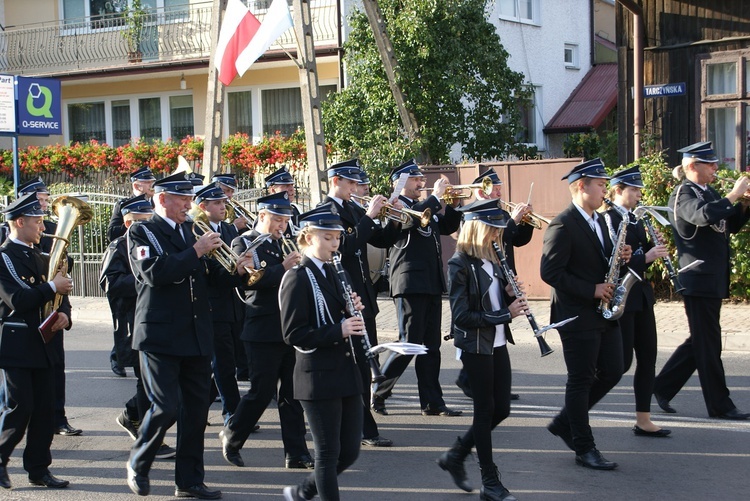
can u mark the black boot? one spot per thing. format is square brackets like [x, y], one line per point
[452, 461]
[492, 489]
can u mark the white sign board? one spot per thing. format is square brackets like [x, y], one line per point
[7, 105]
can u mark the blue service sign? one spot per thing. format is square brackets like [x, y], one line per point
[39, 106]
[665, 90]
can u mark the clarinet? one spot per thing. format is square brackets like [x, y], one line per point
[511, 278]
[678, 287]
[377, 376]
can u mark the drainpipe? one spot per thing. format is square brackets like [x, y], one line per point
[638, 112]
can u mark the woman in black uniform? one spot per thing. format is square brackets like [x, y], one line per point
[326, 378]
[637, 323]
[480, 306]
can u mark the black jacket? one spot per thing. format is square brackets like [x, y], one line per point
[473, 320]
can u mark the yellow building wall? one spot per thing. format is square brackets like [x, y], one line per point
[19, 12]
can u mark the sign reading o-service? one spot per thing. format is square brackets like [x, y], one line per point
[39, 106]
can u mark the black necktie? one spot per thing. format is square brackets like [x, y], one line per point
[330, 274]
[179, 232]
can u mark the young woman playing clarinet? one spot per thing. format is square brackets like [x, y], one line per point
[327, 381]
[480, 308]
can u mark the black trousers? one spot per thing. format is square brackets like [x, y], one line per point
[27, 405]
[701, 351]
[639, 335]
[58, 368]
[369, 426]
[225, 366]
[269, 364]
[336, 427]
[419, 318]
[594, 362]
[138, 405]
[177, 388]
[490, 378]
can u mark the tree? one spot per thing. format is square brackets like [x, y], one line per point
[454, 73]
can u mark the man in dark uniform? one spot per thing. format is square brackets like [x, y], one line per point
[702, 221]
[173, 331]
[282, 181]
[417, 282]
[62, 426]
[361, 228]
[142, 181]
[271, 361]
[228, 184]
[226, 308]
[575, 262]
[26, 362]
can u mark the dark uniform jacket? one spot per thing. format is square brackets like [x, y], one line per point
[473, 320]
[416, 259]
[173, 312]
[23, 293]
[325, 367]
[118, 282]
[225, 303]
[573, 262]
[359, 230]
[697, 222]
[116, 226]
[515, 235]
[641, 295]
[262, 319]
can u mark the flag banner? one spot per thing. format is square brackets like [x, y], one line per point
[275, 23]
[238, 28]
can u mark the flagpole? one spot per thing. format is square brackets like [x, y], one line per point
[214, 100]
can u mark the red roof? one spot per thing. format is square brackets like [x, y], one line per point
[590, 102]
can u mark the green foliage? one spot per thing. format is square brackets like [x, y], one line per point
[135, 20]
[591, 145]
[456, 79]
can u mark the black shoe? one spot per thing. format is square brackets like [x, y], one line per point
[4, 478]
[68, 431]
[378, 405]
[640, 432]
[128, 424]
[118, 371]
[48, 480]
[664, 404]
[565, 435]
[305, 461]
[515, 396]
[165, 452]
[231, 454]
[440, 410]
[593, 459]
[139, 484]
[734, 415]
[377, 441]
[199, 491]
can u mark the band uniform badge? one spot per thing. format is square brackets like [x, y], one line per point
[142, 252]
[31, 280]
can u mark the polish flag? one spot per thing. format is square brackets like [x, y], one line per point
[243, 39]
[238, 27]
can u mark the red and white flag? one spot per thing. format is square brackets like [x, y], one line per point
[243, 39]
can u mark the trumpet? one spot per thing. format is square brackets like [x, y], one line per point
[404, 216]
[452, 191]
[224, 254]
[729, 181]
[532, 219]
[235, 210]
[288, 246]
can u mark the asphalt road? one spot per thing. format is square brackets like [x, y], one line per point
[704, 459]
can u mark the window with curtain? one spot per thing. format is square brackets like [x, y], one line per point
[526, 11]
[721, 79]
[240, 112]
[722, 132]
[282, 111]
[121, 130]
[149, 116]
[86, 121]
[181, 116]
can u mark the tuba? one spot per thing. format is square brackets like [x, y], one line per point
[71, 212]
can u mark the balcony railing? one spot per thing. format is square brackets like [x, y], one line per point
[169, 36]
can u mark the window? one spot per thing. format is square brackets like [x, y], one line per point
[531, 122]
[282, 109]
[87, 122]
[121, 132]
[149, 113]
[571, 56]
[522, 11]
[240, 112]
[181, 116]
[724, 105]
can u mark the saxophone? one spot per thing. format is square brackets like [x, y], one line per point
[615, 307]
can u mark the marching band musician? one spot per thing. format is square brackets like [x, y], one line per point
[574, 263]
[637, 323]
[361, 228]
[228, 184]
[142, 181]
[327, 381]
[279, 181]
[226, 308]
[270, 360]
[417, 282]
[173, 331]
[26, 362]
[702, 221]
[62, 426]
[481, 305]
